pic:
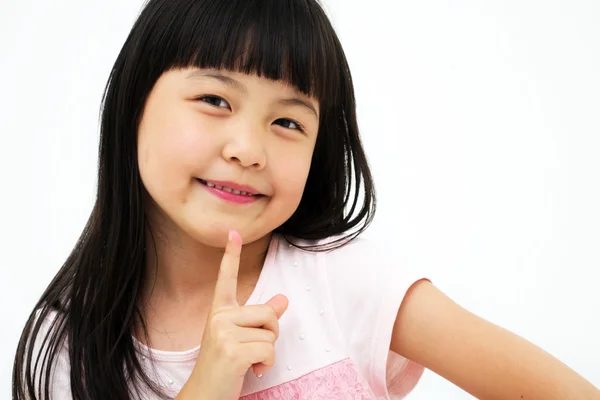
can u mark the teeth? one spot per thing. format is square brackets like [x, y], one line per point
[226, 189]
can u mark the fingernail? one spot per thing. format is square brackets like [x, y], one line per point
[234, 236]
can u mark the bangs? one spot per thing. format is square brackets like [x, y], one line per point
[283, 40]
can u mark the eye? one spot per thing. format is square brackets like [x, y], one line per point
[214, 101]
[289, 124]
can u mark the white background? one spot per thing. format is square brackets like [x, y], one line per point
[481, 120]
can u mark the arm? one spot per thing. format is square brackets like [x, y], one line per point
[483, 359]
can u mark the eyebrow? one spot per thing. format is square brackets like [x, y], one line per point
[237, 85]
[294, 101]
[227, 80]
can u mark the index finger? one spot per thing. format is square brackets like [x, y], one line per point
[226, 286]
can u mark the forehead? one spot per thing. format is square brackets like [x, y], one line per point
[242, 81]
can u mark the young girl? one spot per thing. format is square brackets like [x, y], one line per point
[230, 122]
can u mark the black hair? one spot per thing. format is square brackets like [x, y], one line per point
[95, 293]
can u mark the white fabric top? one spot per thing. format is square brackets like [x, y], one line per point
[334, 338]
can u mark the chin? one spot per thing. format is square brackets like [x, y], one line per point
[217, 236]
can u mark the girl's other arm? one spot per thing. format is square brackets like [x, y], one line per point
[483, 359]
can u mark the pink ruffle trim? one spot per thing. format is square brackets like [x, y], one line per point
[336, 381]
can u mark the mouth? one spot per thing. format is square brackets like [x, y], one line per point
[232, 187]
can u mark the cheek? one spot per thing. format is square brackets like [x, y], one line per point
[290, 172]
[170, 154]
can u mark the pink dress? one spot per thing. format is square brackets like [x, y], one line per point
[334, 338]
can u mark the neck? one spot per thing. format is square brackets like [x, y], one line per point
[181, 270]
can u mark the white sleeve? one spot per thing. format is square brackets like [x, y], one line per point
[60, 387]
[367, 289]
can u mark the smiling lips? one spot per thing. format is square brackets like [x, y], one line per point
[232, 192]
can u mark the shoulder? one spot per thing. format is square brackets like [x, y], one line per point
[368, 280]
[358, 250]
[352, 261]
[44, 340]
[355, 272]
[336, 250]
[367, 264]
[363, 264]
[358, 287]
[50, 322]
[45, 326]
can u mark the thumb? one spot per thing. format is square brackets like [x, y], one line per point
[279, 303]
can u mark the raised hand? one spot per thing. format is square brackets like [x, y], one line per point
[236, 338]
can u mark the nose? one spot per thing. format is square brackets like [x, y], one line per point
[247, 148]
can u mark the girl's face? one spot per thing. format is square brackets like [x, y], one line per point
[207, 136]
